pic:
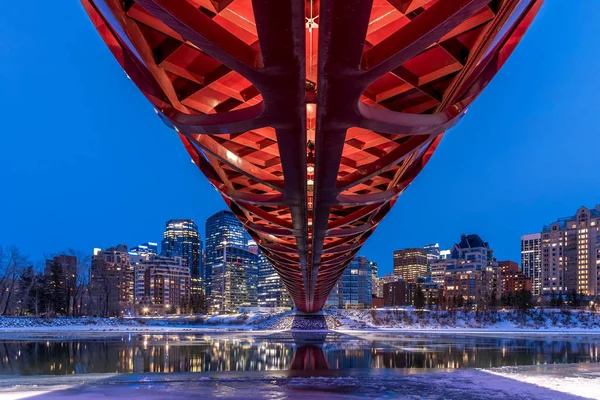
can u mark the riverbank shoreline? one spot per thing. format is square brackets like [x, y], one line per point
[344, 321]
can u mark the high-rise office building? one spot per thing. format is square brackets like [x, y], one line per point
[145, 249]
[161, 284]
[271, 291]
[234, 279]
[181, 239]
[571, 254]
[221, 227]
[354, 288]
[471, 271]
[444, 254]
[375, 273]
[531, 260]
[410, 264]
[433, 252]
[374, 269]
[112, 281]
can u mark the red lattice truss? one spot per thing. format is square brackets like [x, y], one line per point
[311, 117]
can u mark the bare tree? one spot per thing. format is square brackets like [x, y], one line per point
[81, 281]
[12, 263]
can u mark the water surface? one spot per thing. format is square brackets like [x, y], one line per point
[286, 351]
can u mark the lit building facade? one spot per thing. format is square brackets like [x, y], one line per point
[234, 279]
[145, 250]
[112, 280]
[513, 278]
[432, 292]
[181, 239]
[375, 276]
[354, 288]
[433, 254]
[471, 271]
[379, 282]
[445, 254]
[161, 284]
[531, 260]
[571, 254]
[221, 227]
[142, 252]
[271, 291]
[410, 264]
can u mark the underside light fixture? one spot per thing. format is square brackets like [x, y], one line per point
[232, 157]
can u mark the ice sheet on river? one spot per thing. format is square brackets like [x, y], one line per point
[567, 382]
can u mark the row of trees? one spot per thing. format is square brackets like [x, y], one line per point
[522, 300]
[47, 290]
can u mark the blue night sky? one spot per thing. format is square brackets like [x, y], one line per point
[85, 162]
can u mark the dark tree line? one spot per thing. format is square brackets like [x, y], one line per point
[523, 300]
[570, 299]
[27, 290]
[194, 303]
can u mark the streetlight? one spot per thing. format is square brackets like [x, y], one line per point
[145, 310]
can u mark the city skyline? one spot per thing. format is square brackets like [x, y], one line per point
[507, 156]
[382, 259]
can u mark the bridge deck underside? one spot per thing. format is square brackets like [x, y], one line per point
[311, 117]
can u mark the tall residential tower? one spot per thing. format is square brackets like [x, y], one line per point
[531, 260]
[571, 253]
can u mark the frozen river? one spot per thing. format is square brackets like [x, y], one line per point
[287, 364]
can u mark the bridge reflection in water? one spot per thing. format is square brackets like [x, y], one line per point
[286, 351]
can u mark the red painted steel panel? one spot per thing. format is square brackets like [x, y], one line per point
[311, 117]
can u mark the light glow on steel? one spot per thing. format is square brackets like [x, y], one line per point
[311, 117]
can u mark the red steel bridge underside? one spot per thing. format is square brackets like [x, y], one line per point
[311, 117]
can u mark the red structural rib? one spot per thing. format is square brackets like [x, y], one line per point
[311, 117]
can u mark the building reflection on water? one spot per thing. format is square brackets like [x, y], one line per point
[286, 351]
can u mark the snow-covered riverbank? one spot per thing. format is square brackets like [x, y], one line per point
[341, 320]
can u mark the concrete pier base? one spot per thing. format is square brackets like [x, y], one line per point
[312, 321]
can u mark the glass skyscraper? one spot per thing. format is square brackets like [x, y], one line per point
[181, 239]
[234, 282]
[271, 290]
[223, 232]
[354, 288]
[144, 250]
